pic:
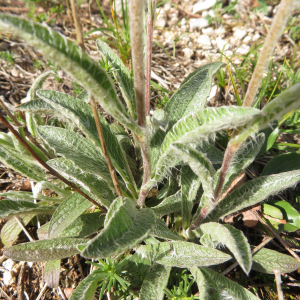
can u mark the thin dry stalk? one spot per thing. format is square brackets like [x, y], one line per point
[263, 61]
[24, 229]
[111, 168]
[150, 25]
[278, 285]
[137, 48]
[20, 287]
[77, 24]
[284, 244]
[46, 166]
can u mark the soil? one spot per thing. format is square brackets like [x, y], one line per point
[183, 41]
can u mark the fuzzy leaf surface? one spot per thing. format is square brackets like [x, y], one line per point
[80, 114]
[84, 225]
[45, 250]
[11, 229]
[208, 289]
[91, 182]
[74, 61]
[51, 273]
[67, 212]
[22, 164]
[125, 227]
[37, 107]
[228, 289]
[121, 74]
[182, 254]
[230, 237]
[253, 192]
[10, 208]
[168, 205]
[162, 231]
[155, 282]
[26, 196]
[190, 184]
[266, 260]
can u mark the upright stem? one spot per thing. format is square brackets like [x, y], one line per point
[263, 62]
[150, 25]
[77, 24]
[111, 168]
[137, 48]
[45, 165]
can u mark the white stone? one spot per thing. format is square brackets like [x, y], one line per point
[247, 39]
[220, 31]
[185, 38]
[198, 23]
[9, 264]
[211, 13]
[221, 44]
[9, 278]
[240, 33]
[256, 37]
[204, 40]
[243, 50]
[188, 52]
[208, 31]
[203, 5]
[167, 6]
[161, 18]
[228, 53]
[213, 92]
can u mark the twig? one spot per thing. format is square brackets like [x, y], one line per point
[278, 284]
[24, 229]
[276, 235]
[265, 241]
[17, 124]
[42, 292]
[51, 18]
[46, 166]
[111, 168]
[77, 24]
[20, 281]
[1, 291]
[61, 293]
[263, 61]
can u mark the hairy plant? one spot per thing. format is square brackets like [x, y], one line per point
[184, 174]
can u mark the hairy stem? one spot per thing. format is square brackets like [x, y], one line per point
[137, 49]
[111, 168]
[77, 24]
[45, 165]
[150, 25]
[263, 62]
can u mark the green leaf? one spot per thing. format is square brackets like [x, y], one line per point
[10, 208]
[11, 229]
[195, 128]
[27, 196]
[162, 231]
[67, 212]
[190, 97]
[253, 192]
[124, 227]
[212, 67]
[51, 273]
[121, 74]
[74, 61]
[208, 289]
[182, 254]
[168, 205]
[282, 163]
[91, 182]
[44, 250]
[155, 282]
[242, 158]
[84, 225]
[200, 165]
[266, 260]
[38, 107]
[22, 164]
[80, 114]
[228, 289]
[86, 288]
[190, 184]
[43, 232]
[230, 237]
